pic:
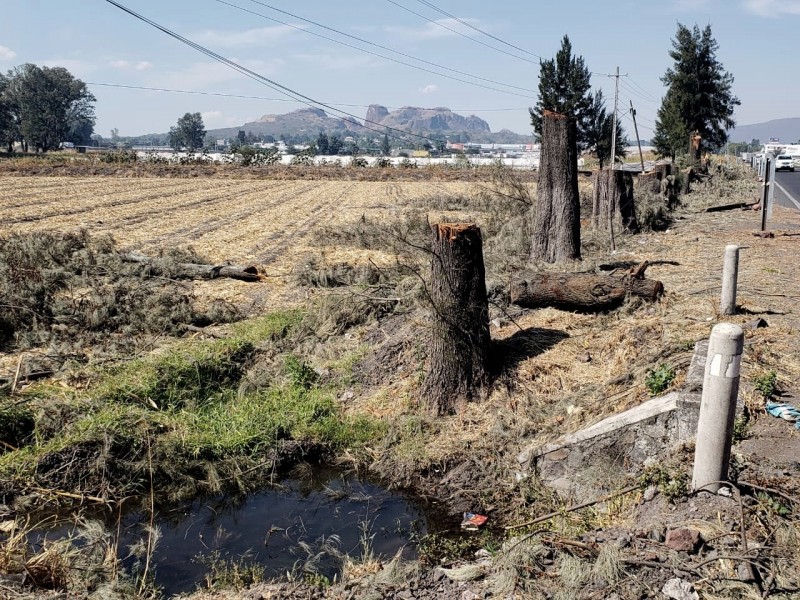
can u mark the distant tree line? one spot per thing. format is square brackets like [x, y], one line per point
[41, 107]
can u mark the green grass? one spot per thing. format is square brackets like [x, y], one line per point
[184, 404]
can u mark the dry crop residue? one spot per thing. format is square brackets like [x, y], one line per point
[261, 222]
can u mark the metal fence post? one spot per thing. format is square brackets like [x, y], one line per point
[712, 451]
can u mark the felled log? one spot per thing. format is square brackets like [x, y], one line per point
[734, 206]
[583, 291]
[197, 271]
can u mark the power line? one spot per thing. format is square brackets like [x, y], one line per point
[388, 49]
[443, 26]
[639, 96]
[281, 89]
[246, 97]
[644, 91]
[471, 26]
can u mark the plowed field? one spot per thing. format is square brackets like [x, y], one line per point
[266, 223]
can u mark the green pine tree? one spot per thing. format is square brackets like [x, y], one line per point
[564, 87]
[699, 96]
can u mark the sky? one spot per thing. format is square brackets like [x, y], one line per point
[493, 76]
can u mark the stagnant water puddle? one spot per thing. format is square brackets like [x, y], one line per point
[287, 529]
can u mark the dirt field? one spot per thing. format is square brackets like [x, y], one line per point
[260, 222]
[564, 370]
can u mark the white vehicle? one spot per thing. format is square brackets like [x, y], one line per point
[784, 162]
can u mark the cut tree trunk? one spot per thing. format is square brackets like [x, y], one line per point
[613, 195]
[197, 271]
[582, 291]
[555, 222]
[459, 350]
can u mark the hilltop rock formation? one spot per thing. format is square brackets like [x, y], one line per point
[376, 113]
[412, 118]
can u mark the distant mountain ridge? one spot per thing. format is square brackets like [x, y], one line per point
[786, 130]
[425, 121]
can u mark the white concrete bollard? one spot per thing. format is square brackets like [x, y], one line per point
[712, 451]
[730, 276]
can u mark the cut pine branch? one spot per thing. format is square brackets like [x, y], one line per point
[197, 271]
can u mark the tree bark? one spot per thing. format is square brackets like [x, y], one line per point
[198, 271]
[459, 350]
[555, 224]
[613, 194]
[582, 291]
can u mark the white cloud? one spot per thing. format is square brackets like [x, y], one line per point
[429, 89]
[772, 8]
[262, 36]
[142, 65]
[7, 53]
[441, 28]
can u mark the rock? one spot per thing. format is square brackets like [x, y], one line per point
[678, 589]
[683, 540]
[650, 493]
[744, 571]
[469, 595]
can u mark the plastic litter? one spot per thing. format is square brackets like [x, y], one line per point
[785, 411]
[473, 521]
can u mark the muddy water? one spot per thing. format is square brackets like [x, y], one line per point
[280, 529]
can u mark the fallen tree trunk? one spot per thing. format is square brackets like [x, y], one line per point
[582, 291]
[196, 271]
[737, 205]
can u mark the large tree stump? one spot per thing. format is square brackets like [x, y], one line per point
[613, 195]
[459, 349]
[582, 291]
[555, 223]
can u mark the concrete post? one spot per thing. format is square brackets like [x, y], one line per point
[730, 275]
[712, 451]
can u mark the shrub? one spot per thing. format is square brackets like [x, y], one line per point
[119, 157]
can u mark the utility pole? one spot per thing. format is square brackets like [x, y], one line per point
[614, 130]
[636, 129]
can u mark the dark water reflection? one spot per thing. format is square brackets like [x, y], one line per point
[279, 529]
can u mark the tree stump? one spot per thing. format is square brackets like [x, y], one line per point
[555, 222]
[459, 349]
[613, 194]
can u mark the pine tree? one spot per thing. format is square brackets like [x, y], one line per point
[599, 128]
[699, 97]
[564, 88]
[671, 134]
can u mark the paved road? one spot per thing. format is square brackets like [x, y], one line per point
[787, 192]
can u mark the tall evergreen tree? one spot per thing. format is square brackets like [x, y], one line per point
[699, 97]
[671, 136]
[323, 146]
[599, 129]
[564, 88]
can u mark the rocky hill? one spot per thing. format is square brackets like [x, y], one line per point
[786, 130]
[311, 121]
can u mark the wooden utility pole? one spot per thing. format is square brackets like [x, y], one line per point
[636, 129]
[614, 130]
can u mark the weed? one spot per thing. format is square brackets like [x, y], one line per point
[673, 484]
[228, 573]
[772, 505]
[766, 384]
[659, 379]
[741, 428]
